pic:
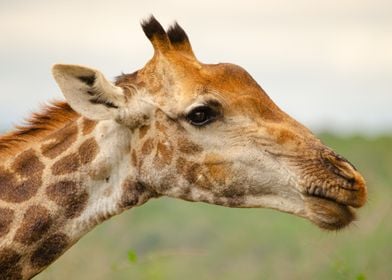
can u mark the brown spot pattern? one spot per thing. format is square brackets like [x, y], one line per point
[188, 147]
[14, 190]
[147, 147]
[7, 181]
[6, 218]
[36, 222]
[49, 250]
[9, 265]
[27, 163]
[217, 172]
[60, 141]
[71, 163]
[88, 126]
[88, 151]
[67, 164]
[217, 168]
[131, 193]
[193, 173]
[70, 196]
[30, 168]
[143, 131]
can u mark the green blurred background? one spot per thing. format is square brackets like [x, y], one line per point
[171, 239]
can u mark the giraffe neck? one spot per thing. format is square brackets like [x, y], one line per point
[59, 188]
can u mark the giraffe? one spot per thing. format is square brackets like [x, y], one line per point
[177, 128]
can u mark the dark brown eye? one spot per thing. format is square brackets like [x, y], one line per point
[202, 115]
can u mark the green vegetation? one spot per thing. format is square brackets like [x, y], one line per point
[172, 239]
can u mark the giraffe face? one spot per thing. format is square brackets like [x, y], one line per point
[210, 133]
[231, 145]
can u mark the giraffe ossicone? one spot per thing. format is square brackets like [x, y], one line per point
[176, 127]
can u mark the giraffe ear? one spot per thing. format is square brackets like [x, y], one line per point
[88, 92]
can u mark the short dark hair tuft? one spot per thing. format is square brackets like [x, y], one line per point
[152, 27]
[176, 34]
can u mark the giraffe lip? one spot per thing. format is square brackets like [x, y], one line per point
[345, 196]
[323, 196]
[327, 213]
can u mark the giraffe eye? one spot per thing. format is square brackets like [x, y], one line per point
[202, 115]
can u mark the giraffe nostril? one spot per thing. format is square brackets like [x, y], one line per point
[339, 166]
[343, 159]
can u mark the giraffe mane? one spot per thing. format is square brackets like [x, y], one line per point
[51, 117]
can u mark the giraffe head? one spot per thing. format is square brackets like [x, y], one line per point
[208, 132]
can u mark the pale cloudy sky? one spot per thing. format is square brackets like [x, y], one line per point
[327, 63]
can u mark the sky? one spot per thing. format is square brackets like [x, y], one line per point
[326, 63]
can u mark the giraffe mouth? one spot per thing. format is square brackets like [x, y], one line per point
[327, 213]
[331, 205]
[333, 192]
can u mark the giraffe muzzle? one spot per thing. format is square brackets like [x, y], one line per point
[347, 186]
[335, 190]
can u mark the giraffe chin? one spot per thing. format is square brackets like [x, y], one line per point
[328, 214]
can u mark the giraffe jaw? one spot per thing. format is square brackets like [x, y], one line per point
[324, 212]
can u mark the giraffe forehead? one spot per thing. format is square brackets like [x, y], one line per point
[232, 85]
[229, 80]
[186, 79]
[239, 92]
